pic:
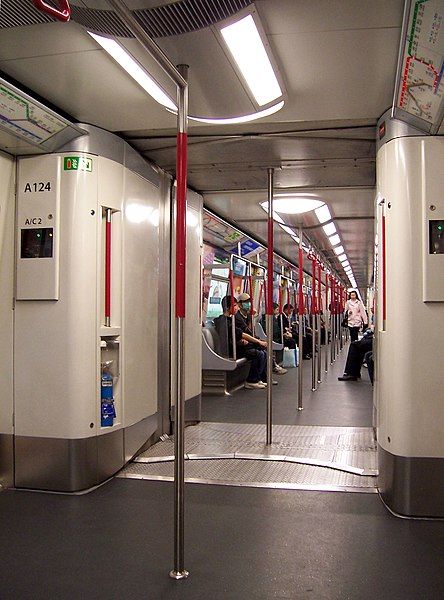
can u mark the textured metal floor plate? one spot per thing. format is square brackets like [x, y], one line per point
[339, 458]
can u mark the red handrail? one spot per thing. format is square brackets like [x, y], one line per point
[63, 13]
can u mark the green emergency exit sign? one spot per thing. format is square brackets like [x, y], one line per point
[77, 163]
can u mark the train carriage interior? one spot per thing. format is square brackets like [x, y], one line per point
[221, 290]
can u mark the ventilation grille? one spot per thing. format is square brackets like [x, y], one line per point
[170, 19]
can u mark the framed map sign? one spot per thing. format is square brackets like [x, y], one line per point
[419, 90]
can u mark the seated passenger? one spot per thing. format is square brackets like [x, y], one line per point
[243, 319]
[292, 328]
[368, 359]
[355, 357]
[246, 345]
[277, 336]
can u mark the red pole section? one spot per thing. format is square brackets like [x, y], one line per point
[384, 272]
[108, 267]
[333, 296]
[250, 285]
[327, 277]
[181, 222]
[269, 306]
[63, 13]
[314, 309]
[301, 282]
[319, 288]
[232, 291]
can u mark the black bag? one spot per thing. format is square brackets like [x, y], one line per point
[344, 322]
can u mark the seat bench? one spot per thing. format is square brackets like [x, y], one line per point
[220, 375]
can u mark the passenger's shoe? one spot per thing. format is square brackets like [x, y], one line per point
[264, 383]
[346, 377]
[280, 370]
[255, 386]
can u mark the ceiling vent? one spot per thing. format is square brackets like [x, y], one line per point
[170, 19]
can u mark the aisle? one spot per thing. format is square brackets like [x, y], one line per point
[335, 403]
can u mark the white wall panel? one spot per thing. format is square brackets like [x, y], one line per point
[409, 375]
[56, 343]
[7, 211]
[140, 297]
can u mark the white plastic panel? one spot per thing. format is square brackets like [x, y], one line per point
[56, 343]
[7, 212]
[433, 222]
[140, 297]
[409, 375]
[193, 320]
[38, 237]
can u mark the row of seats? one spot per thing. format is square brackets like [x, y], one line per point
[221, 375]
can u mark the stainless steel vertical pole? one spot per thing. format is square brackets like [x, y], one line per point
[179, 76]
[319, 307]
[269, 304]
[313, 353]
[327, 323]
[313, 309]
[300, 319]
[179, 571]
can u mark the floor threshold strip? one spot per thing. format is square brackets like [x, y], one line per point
[301, 457]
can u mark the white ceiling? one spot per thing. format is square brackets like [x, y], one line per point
[337, 59]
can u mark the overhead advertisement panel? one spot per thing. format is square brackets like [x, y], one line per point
[419, 92]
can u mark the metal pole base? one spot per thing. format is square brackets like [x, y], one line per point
[300, 408]
[179, 574]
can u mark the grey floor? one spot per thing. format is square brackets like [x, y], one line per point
[335, 403]
[241, 544]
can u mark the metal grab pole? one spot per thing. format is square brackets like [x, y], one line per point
[313, 310]
[108, 213]
[332, 319]
[179, 76]
[319, 307]
[269, 308]
[179, 571]
[327, 324]
[300, 317]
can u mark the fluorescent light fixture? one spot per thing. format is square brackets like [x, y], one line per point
[246, 46]
[334, 240]
[329, 229]
[276, 217]
[341, 256]
[346, 264]
[323, 214]
[243, 119]
[339, 250]
[343, 260]
[132, 67]
[293, 204]
[289, 230]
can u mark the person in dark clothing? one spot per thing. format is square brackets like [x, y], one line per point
[355, 357]
[293, 328]
[368, 360]
[246, 345]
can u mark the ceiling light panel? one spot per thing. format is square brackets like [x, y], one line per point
[293, 205]
[329, 229]
[323, 214]
[339, 250]
[341, 256]
[334, 240]
[248, 50]
[134, 69]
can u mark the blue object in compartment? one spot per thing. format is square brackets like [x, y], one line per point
[106, 392]
[108, 413]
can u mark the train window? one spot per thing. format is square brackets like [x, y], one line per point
[436, 237]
